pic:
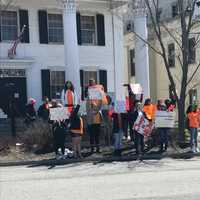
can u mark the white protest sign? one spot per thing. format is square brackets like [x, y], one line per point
[59, 114]
[136, 88]
[94, 94]
[196, 14]
[120, 107]
[164, 119]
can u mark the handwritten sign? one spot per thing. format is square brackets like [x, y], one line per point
[59, 114]
[95, 94]
[136, 88]
[120, 106]
[164, 119]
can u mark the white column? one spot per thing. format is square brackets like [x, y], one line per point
[72, 62]
[141, 51]
[118, 54]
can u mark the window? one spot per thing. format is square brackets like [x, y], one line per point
[88, 30]
[159, 13]
[132, 62]
[193, 96]
[8, 25]
[55, 28]
[192, 51]
[171, 55]
[175, 10]
[57, 82]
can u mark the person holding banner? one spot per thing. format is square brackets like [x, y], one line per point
[69, 97]
[142, 128]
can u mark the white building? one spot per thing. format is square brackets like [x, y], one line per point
[93, 48]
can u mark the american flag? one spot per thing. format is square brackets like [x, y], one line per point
[12, 50]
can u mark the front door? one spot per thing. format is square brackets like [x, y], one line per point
[13, 89]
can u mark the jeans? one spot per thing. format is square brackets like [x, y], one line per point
[193, 137]
[163, 138]
[118, 140]
[139, 143]
[94, 131]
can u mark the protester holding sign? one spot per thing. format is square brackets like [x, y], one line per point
[69, 97]
[59, 132]
[142, 127]
[93, 107]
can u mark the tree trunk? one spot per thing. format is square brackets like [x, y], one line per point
[181, 120]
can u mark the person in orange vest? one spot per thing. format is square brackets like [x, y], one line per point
[69, 97]
[149, 109]
[193, 115]
[76, 130]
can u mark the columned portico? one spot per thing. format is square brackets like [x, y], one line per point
[141, 49]
[72, 60]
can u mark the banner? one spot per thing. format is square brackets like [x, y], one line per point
[59, 114]
[143, 126]
[164, 119]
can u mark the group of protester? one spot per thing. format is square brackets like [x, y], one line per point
[121, 122]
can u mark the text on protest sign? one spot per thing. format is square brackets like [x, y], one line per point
[164, 119]
[95, 94]
[59, 114]
[136, 88]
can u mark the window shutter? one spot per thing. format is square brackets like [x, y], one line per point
[23, 19]
[100, 30]
[45, 75]
[103, 78]
[78, 24]
[43, 29]
[82, 85]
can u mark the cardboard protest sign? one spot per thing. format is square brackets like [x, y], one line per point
[136, 88]
[94, 93]
[120, 107]
[164, 119]
[143, 126]
[82, 109]
[59, 114]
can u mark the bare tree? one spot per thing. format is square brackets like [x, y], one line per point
[181, 39]
[4, 4]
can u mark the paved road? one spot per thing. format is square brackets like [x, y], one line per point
[166, 179]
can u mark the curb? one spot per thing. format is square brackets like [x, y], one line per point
[53, 162]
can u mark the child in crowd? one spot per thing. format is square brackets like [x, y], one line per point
[193, 116]
[76, 130]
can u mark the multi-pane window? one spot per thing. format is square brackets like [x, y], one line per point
[9, 25]
[193, 96]
[171, 55]
[192, 51]
[57, 82]
[174, 10]
[88, 30]
[132, 62]
[55, 28]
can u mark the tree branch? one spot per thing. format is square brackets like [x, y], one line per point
[193, 74]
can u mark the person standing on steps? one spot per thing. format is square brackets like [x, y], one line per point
[69, 97]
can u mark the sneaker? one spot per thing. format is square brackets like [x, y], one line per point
[193, 150]
[197, 150]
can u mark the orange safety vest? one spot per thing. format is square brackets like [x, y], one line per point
[149, 111]
[69, 96]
